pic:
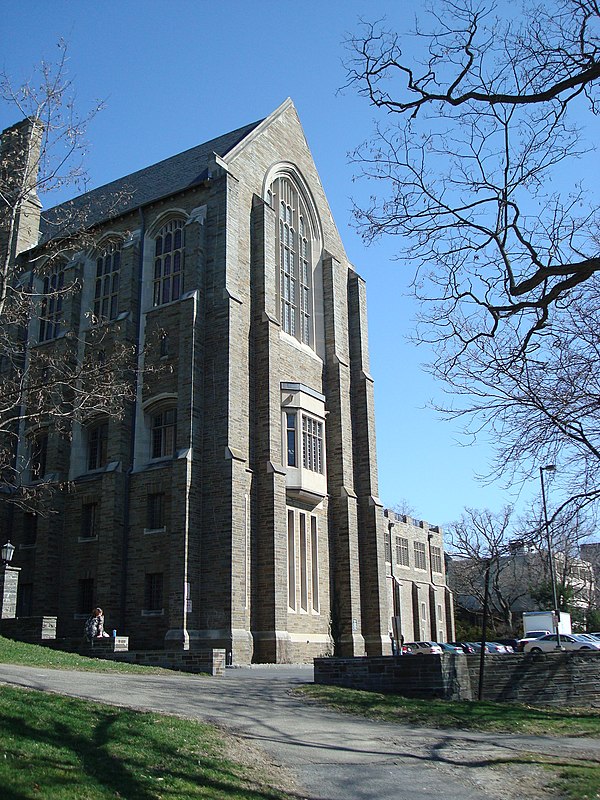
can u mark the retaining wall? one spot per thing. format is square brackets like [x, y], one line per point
[540, 678]
[29, 629]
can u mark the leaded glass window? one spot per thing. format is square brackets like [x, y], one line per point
[52, 303]
[106, 293]
[168, 263]
[294, 261]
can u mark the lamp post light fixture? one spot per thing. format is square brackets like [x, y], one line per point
[556, 614]
[6, 552]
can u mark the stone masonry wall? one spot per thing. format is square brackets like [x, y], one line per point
[554, 679]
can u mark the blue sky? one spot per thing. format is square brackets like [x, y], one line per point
[175, 73]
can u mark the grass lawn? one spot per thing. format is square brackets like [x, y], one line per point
[33, 655]
[479, 716]
[60, 748]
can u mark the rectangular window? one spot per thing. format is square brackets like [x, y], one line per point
[388, 546]
[155, 511]
[312, 444]
[291, 439]
[436, 559]
[291, 562]
[402, 555]
[25, 600]
[314, 556]
[164, 433]
[97, 446]
[30, 528]
[85, 596]
[89, 521]
[39, 454]
[153, 595]
[303, 565]
[420, 557]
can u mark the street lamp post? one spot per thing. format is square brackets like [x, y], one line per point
[551, 468]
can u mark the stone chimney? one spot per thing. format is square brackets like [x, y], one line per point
[20, 207]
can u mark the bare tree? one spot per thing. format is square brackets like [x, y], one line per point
[75, 378]
[481, 542]
[514, 552]
[489, 118]
[541, 409]
[483, 179]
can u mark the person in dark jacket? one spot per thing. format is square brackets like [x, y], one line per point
[94, 625]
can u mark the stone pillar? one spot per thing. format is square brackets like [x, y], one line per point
[269, 527]
[370, 512]
[343, 513]
[9, 583]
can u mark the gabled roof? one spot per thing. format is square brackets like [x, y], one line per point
[140, 188]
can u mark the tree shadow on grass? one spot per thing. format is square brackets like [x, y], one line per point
[58, 748]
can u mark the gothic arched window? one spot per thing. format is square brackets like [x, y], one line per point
[106, 290]
[168, 262]
[53, 291]
[294, 259]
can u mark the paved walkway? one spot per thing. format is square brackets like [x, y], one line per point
[332, 756]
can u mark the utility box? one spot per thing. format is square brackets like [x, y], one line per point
[545, 620]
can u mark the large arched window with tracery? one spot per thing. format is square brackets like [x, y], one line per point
[295, 260]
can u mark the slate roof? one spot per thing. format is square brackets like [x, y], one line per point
[140, 188]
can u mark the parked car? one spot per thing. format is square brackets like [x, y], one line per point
[588, 636]
[512, 644]
[548, 643]
[497, 648]
[466, 647]
[530, 637]
[451, 648]
[477, 647]
[425, 648]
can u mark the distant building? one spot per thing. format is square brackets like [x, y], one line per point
[420, 602]
[591, 553]
[514, 578]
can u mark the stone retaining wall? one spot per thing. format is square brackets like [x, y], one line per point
[544, 679]
[207, 661]
[29, 629]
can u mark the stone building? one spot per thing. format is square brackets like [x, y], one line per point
[590, 554]
[420, 604]
[235, 504]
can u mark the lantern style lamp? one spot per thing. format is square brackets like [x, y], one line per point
[7, 551]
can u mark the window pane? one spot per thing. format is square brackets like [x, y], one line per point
[169, 259]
